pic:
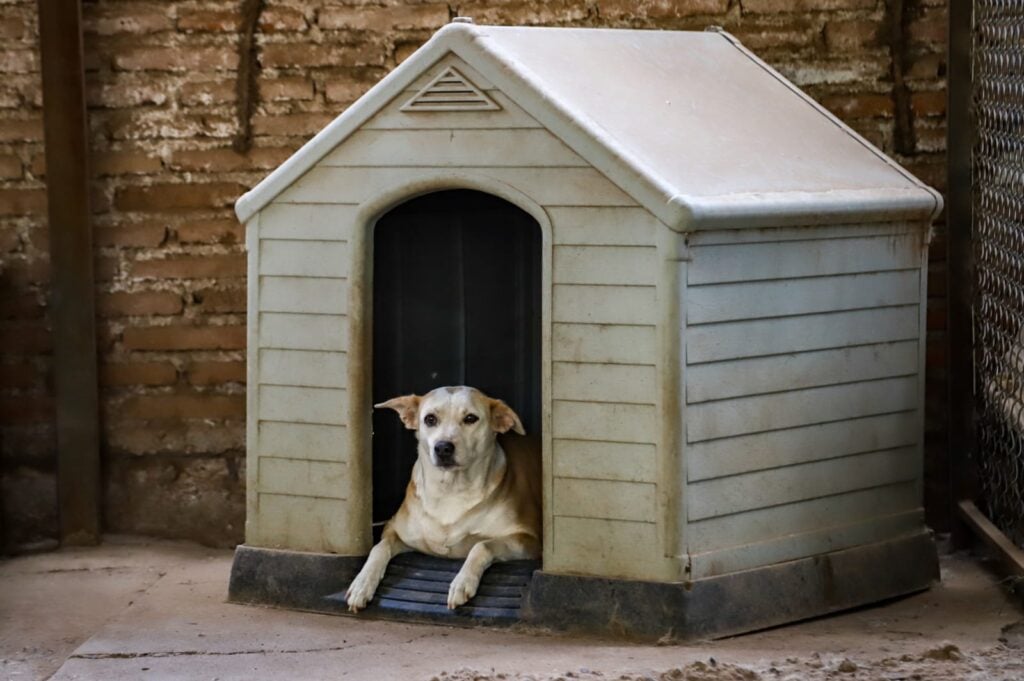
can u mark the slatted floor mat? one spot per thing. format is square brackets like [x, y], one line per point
[417, 584]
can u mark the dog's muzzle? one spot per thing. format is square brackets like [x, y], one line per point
[444, 454]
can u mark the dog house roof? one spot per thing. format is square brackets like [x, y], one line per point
[691, 124]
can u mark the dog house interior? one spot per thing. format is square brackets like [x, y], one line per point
[702, 290]
[456, 301]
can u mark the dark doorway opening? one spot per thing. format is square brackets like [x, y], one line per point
[456, 301]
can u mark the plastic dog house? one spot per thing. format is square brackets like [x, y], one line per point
[703, 290]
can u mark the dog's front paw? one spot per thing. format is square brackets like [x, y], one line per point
[360, 592]
[463, 588]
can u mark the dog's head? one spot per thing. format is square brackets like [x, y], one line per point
[455, 425]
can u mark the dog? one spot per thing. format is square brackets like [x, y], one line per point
[472, 494]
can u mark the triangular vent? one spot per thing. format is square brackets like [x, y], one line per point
[450, 91]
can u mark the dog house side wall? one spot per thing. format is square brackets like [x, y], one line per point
[803, 381]
[310, 487]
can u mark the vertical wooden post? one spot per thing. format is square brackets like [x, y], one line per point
[71, 259]
[960, 261]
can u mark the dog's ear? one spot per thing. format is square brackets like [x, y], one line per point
[503, 419]
[407, 406]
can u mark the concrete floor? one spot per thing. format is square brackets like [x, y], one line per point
[146, 609]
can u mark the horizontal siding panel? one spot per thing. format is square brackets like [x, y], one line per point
[310, 368]
[303, 524]
[609, 548]
[761, 524]
[327, 479]
[800, 370]
[458, 147]
[312, 441]
[605, 304]
[752, 338]
[604, 382]
[603, 343]
[608, 422]
[318, 222]
[629, 265]
[742, 415]
[760, 451]
[753, 300]
[303, 331]
[546, 186]
[775, 234]
[303, 295]
[798, 546]
[392, 117]
[609, 226]
[723, 496]
[288, 257]
[607, 499]
[604, 460]
[749, 262]
[303, 405]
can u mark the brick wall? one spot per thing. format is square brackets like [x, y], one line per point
[170, 264]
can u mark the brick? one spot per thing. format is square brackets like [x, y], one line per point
[346, 90]
[930, 139]
[928, 103]
[10, 240]
[209, 21]
[286, 89]
[783, 6]
[852, 36]
[26, 271]
[183, 437]
[854, 106]
[930, 28]
[127, 18]
[227, 159]
[180, 337]
[106, 268]
[290, 55]
[177, 59]
[20, 375]
[21, 306]
[22, 201]
[763, 36]
[658, 10]
[211, 232]
[303, 124]
[138, 373]
[215, 373]
[184, 406]
[19, 61]
[207, 93]
[178, 197]
[143, 303]
[10, 99]
[384, 19]
[191, 267]
[282, 19]
[14, 28]
[25, 338]
[125, 163]
[10, 167]
[21, 129]
[144, 235]
[215, 300]
[26, 409]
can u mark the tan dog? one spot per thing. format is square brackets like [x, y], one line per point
[470, 495]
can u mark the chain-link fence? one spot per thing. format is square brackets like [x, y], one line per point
[998, 171]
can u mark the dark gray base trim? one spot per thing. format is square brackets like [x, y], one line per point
[738, 602]
[720, 606]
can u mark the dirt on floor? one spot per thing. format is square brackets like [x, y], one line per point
[144, 609]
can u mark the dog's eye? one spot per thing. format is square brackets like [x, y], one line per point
[471, 418]
[430, 420]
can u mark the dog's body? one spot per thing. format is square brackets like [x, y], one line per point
[471, 495]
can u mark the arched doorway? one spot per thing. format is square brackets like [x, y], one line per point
[456, 301]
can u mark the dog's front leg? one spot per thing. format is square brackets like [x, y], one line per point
[362, 588]
[481, 556]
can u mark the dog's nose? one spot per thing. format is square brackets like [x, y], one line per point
[444, 451]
